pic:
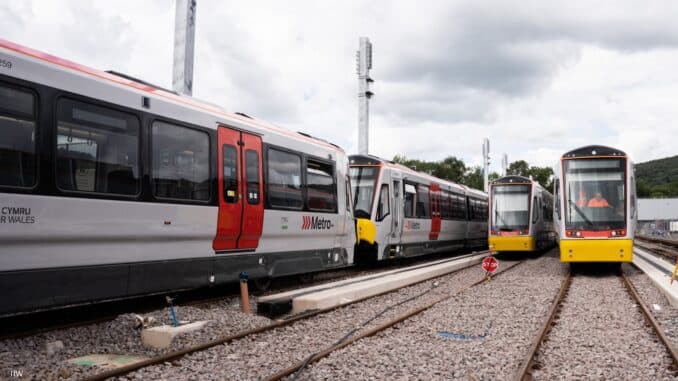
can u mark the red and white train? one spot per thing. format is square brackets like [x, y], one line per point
[111, 187]
[401, 213]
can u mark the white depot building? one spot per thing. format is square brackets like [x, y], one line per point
[660, 212]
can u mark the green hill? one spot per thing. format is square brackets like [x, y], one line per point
[658, 178]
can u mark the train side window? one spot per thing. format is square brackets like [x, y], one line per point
[17, 141]
[483, 211]
[320, 185]
[230, 168]
[423, 202]
[633, 198]
[459, 207]
[535, 209]
[444, 201]
[556, 193]
[349, 197]
[97, 149]
[252, 174]
[450, 206]
[383, 208]
[284, 180]
[410, 193]
[181, 167]
[478, 210]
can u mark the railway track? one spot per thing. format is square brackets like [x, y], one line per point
[663, 247]
[537, 358]
[348, 339]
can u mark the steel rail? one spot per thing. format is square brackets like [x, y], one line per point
[649, 317]
[170, 356]
[527, 365]
[327, 351]
[663, 241]
[659, 249]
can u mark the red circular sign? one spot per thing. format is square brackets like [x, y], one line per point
[490, 264]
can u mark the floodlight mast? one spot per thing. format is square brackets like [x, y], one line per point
[184, 42]
[364, 64]
[486, 163]
[504, 164]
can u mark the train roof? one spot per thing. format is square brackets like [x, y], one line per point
[513, 179]
[594, 151]
[375, 160]
[149, 89]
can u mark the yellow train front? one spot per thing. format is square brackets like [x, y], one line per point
[595, 212]
[520, 215]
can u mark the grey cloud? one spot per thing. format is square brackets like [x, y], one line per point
[254, 87]
[107, 38]
[14, 16]
[478, 55]
[408, 109]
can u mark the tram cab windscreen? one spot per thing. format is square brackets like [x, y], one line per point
[510, 207]
[595, 194]
[363, 181]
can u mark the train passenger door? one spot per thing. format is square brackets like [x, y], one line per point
[435, 212]
[241, 208]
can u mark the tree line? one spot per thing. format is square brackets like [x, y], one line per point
[655, 179]
[454, 169]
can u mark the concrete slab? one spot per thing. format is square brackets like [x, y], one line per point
[659, 270]
[106, 361]
[292, 293]
[326, 297]
[342, 295]
[162, 336]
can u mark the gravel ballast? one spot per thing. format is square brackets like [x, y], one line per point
[31, 356]
[45, 355]
[482, 333]
[656, 302]
[263, 354]
[601, 334]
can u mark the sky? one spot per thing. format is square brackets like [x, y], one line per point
[538, 78]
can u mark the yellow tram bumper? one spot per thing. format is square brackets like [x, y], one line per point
[366, 231]
[596, 250]
[513, 243]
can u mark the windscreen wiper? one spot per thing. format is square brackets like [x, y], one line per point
[496, 213]
[581, 213]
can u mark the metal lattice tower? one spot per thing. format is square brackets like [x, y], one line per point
[486, 163]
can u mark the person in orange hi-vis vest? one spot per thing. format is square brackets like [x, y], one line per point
[598, 202]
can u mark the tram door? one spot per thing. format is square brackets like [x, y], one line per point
[241, 205]
[435, 211]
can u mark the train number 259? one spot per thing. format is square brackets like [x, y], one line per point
[5, 63]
